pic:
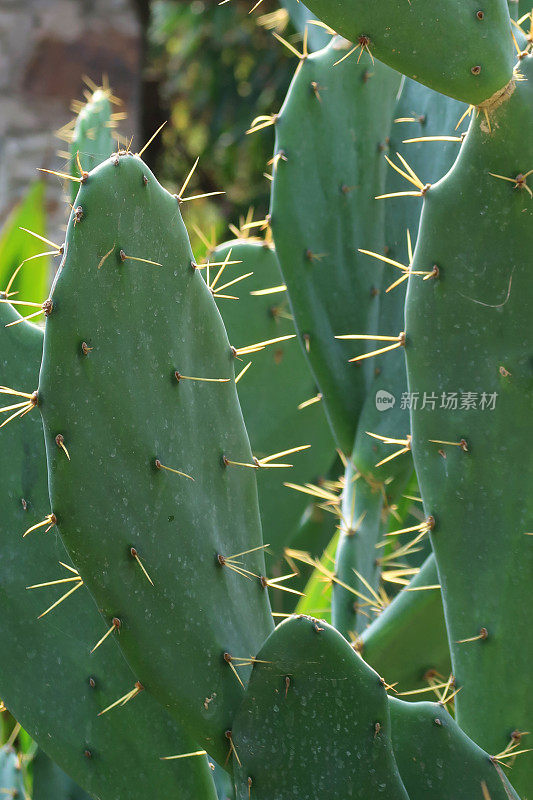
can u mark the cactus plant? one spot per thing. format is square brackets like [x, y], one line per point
[102, 754]
[470, 60]
[131, 254]
[153, 480]
[277, 393]
[346, 750]
[319, 261]
[11, 778]
[91, 139]
[51, 783]
[437, 760]
[461, 452]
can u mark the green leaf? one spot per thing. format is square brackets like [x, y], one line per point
[317, 594]
[16, 245]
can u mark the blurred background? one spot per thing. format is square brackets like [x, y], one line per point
[206, 69]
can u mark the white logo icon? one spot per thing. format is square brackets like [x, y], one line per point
[384, 400]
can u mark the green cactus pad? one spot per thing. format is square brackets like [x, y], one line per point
[51, 783]
[362, 507]
[271, 390]
[302, 18]
[419, 112]
[408, 640]
[92, 137]
[11, 776]
[371, 491]
[130, 408]
[106, 755]
[314, 721]
[469, 333]
[223, 783]
[323, 210]
[458, 48]
[437, 761]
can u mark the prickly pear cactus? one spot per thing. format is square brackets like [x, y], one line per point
[302, 19]
[437, 761]
[223, 783]
[141, 417]
[470, 59]
[91, 141]
[381, 463]
[407, 642]
[323, 210]
[11, 777]
[279, 399]
[314, 721]
[141, 594]
[376, 476]
[51, 783]
[469, 366]
[102, 753]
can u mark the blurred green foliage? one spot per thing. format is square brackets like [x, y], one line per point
[17, 246]
[316, 600]
[218, 68]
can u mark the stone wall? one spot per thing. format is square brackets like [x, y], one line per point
[45, 48]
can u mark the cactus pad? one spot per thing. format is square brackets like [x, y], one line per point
[133, 425]
[455, 47]
[314, 721]
[469, 364]
[104, 754]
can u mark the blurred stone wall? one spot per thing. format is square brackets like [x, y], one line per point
[45, 48]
